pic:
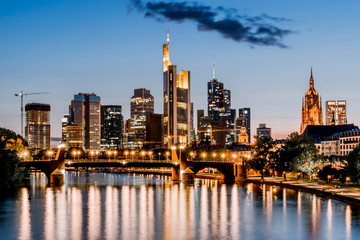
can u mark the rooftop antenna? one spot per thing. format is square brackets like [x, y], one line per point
[213, 70]
[168, 36]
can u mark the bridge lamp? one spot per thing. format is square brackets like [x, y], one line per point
[223, 156]
[132, 155]
[115, 153]
[159, 156]
[203, 155]
[79, 154]
[126, 154]
[92, 155]
[150, 154]
[167, 155]
[347, 179]
[74, 154]
[143, 154]
[109, 154]
[214, 155]
[181, 147]
[192, 155]
[173, 147]
[49, 153]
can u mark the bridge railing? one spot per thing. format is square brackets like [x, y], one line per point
[117, 160]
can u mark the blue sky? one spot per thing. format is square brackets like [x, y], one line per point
[67, 47]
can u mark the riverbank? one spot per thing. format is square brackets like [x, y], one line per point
[346, 194]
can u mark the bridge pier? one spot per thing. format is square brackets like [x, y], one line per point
[240, 172]
[57, 177]
[175, 175]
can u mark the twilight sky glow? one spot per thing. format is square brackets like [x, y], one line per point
[67, 47]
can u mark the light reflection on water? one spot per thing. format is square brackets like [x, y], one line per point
[111, 206]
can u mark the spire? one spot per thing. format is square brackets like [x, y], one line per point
[213, 70]
[168, 36]
[311, 80]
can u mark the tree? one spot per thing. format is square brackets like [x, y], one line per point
[11, 150]
[353, 165]
[299, 153]
[262, 153]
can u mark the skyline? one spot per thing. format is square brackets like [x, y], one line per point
[100, 53]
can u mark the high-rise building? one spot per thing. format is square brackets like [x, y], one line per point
[64, 124]
[336, 112]
[219, 103]
[177, 116]
[244, 113]
[311, 107]
[112, 124]
[141, 103]
[84, 111]
[262, 130]
[37, 129]
[154, 130]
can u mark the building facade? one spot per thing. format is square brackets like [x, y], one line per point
[84, 111]
[311, 107]
[262, 130]
[336, 112]
[177, 105]
[112, 125]
[244, 113]
[37, 128]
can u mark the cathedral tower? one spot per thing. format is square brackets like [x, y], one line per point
[311, 107]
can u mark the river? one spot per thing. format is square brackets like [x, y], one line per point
[130, 206]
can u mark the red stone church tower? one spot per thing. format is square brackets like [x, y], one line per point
[311, 107]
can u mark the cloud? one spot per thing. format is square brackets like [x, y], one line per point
[226, 21]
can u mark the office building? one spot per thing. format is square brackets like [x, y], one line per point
[84, 111]
[37, 128]
[311, 107]
[336, 112]
[262, 130]
[112, 125]
[154, 130]
[64, 124]
[177, 115]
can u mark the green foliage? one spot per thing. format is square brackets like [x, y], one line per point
[262, 153]
[10, 145]
[353, 167]
[299, 153]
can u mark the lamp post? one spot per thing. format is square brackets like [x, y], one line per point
[132, 155]
[49, 153]
[143, 154]
[115, 154]
[192, 155]
[214, 155]
[92, 155]
[167, 156]
[223, 156]
[78, 153]
[150, 155]
[181, 147]
[109, 154]
[126, 154]
[203, 155]
[74, 154]
[347, 179]
[329, 177]
[159, 156]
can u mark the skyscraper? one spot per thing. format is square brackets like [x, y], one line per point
[244, 113]
[112, 125]
[336, 112]
[37, 128]
[141, 103]
[219, 103]
[311, 107]
[177, 116]
[84, 111]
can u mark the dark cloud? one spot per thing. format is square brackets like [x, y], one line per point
[253, 30]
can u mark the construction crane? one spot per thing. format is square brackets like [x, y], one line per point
[21, 95]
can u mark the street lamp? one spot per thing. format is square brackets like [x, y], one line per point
[49, 153]
[132, 155]
[159, 156]
[143, 154]
[74, 154]
[92, 155]
[223, 156]
[109, 154]
[329, 177]
[347, 180]
[214, 155]
[203, 155]
[126, 154]
[115, 154]
[181, 147]
[234, 156]
[79, 154]
[167, 156]
[150, 155]
[192, 155]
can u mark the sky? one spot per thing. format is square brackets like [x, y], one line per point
[263, 51]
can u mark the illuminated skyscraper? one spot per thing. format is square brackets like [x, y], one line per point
[84, 111]
[112, 125]
[219, 103]
[311, 107]
[336, 112]
[37, 128]
[177, 115]
[141, 103]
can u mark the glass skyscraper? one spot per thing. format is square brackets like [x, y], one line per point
[112, 125]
